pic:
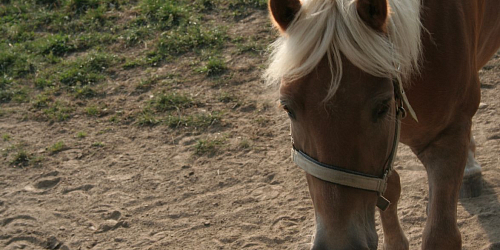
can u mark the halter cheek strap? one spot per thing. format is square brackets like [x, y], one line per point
[355, 179]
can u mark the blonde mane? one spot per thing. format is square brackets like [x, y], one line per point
[333, 27]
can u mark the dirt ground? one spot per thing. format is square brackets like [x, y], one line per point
[144, 188]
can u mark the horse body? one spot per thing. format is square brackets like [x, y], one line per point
[350, 124]
[461, 37]
[456, 45]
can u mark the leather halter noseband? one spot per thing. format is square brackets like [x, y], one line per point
[355, 179]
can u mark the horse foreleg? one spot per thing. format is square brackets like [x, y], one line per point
[444, 159]
[472, 181]
[394, 237]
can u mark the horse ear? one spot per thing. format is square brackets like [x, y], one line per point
[373, 13]
[283, 12]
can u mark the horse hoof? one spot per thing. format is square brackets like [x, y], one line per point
[471, 186]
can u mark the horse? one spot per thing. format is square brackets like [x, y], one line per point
[348, 72]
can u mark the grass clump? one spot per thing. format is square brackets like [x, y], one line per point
[15, 64]
[98, 144]
[93, 110]
[147, 118]
[184, 39]
[23, 159]
[57, 45]
[208, 146]
[214, 66]
[165, 14]
[11, 91]
[226, 97]
[6, 137]
[83, 92]
[42, 101]
[244, 144]
[193, 121]
[57, 147]
[58, 112]
[171, 101]
[241, 8]
[80, 6]
[81, 134]
[86, 70]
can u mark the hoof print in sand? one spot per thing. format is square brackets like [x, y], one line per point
[115, 215]
[46, 184]
[27, 242]
[7, 221]
[110, 225]
[82, 188]
[42, 186]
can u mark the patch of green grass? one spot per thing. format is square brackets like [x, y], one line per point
[14, 64]
[146, 84]
[80, 6]
[57, 45]
[171, 101]
[165, 14]
[81, 134]
[43, 83]
[98, 144]
[245, 144]
[6, 137]
[93, 110]
[86, 70]
[250, 46]
[199, 121]
[82, 92]
[208, 146]
[147, 118]
[226, 97]
[20, 94]
[57, 147]
[214, 66]
[241, 8]
[193, 38]
[58, 111]
[5, 91]
[130, 64]
[114, 118]
[11, 91]
[136, 34]
[42, 101]
[21, 159]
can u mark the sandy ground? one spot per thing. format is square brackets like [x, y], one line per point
[146, 189]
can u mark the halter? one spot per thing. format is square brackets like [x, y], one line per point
[355, 179]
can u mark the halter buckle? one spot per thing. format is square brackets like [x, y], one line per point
[383, 203]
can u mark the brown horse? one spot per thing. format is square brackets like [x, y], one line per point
[341, 64]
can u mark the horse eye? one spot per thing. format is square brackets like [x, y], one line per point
[288, 111]
[381, 111]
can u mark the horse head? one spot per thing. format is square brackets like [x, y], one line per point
[339, 71]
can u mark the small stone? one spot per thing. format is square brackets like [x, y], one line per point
[206, 223]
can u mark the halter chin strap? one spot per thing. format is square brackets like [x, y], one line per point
[355, 179]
